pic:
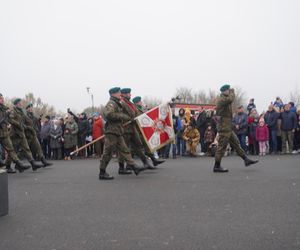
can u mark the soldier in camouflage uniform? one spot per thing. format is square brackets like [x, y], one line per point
[17, 134]
[5, 140]
[31, 133]
[131, 135]
[138, 104]
[114, 131]
[226, 135]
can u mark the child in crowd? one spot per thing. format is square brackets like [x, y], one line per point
[262, 136]
[209, 137]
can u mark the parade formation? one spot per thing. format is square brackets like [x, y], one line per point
[127, 129]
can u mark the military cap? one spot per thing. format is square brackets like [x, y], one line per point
[225, 87]
[114, 90]
[16, 101]
[29, 105]
[136, 99]
[126, 90]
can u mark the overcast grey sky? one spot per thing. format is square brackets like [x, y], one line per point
[57, 48]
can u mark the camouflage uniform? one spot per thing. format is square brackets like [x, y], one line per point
[114, 131]
[17, 134]
[131, 134]
[5, 140]
[226, 134]
[31, 132]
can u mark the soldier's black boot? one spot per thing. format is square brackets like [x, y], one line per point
[122, 170]
[9, 170]
[249, 162]
[136, 169]
[155, 161]
[105, 176]
[2, 163]
[147, 164]
[45, 163]
[21, 167]
[35, 166]
[219, 169]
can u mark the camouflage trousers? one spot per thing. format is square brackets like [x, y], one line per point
[8, 146]
[135, 144]
[20, 143]
[35, 147]
[116, 142]
[224, 139]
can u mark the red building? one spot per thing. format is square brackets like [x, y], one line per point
[193, 107]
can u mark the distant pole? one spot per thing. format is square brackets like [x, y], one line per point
[92, 97]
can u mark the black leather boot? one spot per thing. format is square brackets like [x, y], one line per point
[122, 170]
[219, 169]
[21, 167]
[136, 169]
[249, 162]
[105, 176]
[45, 163]
[155, 161]
[9, 170]
[147, 164]
[35, 166]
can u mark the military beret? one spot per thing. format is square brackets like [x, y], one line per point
[225, 87]
[136, 99]
[114, 90]
[240, 107]
[1, 95]
[126, 90]
[47, 117]
[16, 101]
[29, 105]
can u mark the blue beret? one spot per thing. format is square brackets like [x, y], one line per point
[136, 99]
[126, 91]
[16, 101]
[225, 87]
[114, 90]
[29, 105]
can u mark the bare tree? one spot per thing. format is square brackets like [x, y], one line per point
[185, 94]
[151, 102]
[295, 97]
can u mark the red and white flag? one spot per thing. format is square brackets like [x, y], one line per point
[156, 126]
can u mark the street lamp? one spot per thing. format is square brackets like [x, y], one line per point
[92, 97]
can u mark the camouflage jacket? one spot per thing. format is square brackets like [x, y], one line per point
[36, 122]
[29, 128]
[115, 117]
[4, 121]
[130, 110]
[17, 121]
[224, 112]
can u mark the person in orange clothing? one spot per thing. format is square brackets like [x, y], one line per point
[98, 131]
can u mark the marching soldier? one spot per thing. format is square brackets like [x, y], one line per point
[5, 140]
[226, 135]
[17, 134]
[139, 106]
[131, 135]
[31, 133]
[114, 131]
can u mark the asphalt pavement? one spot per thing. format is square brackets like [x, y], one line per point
[182, 205]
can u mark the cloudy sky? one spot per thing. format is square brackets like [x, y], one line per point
[57, 48]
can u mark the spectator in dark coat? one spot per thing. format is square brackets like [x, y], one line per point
[201, 124]
[181, 146]
[56, 140]
[297, 135]
[240, 123]
[251, 106]
[253, 120]
[288, 127]
[278, 103]
[83, 130]
[271, 119]
[45, 137]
